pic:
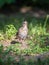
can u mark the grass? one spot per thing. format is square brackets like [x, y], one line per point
[11, 25]
[38, 42]
[9, 58]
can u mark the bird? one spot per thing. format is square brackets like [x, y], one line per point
[23, 30]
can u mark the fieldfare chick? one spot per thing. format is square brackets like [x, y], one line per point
[23, 31]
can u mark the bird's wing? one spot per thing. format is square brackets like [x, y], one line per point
[20, 30]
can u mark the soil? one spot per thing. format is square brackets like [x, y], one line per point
[7, 43]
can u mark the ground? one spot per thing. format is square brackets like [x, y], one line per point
[38, 33]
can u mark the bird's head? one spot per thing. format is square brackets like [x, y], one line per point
[25, 24]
